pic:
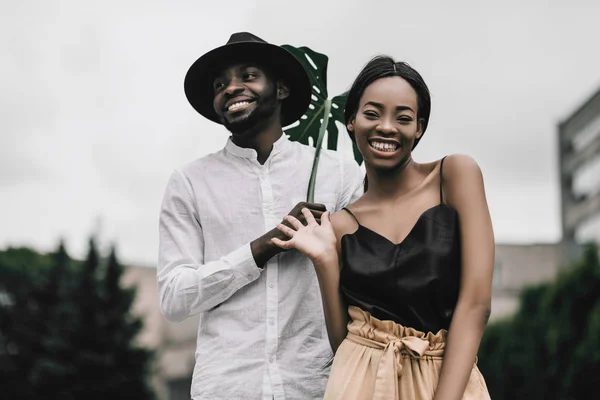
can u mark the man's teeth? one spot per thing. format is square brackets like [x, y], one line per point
[384, 146]
[237, 105]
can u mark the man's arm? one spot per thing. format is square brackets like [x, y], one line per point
[352, 182]
[187, 285]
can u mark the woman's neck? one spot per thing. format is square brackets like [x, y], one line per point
[388, 185]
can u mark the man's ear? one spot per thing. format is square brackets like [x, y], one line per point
[282, 91]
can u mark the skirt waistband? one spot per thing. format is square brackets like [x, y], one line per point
[372, 332]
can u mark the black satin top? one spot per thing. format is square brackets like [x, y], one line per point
[414, 283]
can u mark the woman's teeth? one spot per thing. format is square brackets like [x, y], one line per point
[381, 146]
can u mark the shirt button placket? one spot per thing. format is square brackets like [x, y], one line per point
[272, 302]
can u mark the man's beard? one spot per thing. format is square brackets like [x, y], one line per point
[265, 108]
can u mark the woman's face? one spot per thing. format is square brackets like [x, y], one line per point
[385, 126]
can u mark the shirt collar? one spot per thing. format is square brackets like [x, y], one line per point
[242, 152]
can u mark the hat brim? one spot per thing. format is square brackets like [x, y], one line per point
[198, 84]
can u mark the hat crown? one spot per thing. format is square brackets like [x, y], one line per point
[244, 37]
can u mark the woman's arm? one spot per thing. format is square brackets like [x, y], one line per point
[319, 243]
[334, 308]
[464, 189]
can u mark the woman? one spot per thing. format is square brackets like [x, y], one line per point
[412, 258]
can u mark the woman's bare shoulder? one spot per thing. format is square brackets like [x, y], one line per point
[343, 221]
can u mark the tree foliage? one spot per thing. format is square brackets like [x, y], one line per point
[550, 349]
[66, 330]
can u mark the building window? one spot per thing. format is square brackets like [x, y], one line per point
[587, 135]
[586, 179]
[589, 230]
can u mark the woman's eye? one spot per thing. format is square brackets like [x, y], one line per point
[370, 114]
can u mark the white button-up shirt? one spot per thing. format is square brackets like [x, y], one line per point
[262, 333]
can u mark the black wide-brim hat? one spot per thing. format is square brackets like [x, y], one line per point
[245, 47]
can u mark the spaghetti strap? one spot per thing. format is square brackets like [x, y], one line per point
[441, 179]
[353, 216]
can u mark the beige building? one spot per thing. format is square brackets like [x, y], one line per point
[518, 266]
[174, 344]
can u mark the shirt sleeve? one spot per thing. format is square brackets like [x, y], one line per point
[187, 285]
[352, 181]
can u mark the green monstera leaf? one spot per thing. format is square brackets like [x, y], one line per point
[322, 113]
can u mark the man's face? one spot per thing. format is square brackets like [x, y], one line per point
[244, 95]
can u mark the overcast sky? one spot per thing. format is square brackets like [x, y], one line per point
[93, 117]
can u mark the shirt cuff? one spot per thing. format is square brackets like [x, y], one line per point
[243, 262]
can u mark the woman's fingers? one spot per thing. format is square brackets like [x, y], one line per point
[293, 221]
[286, 230]
[282, 244]
[310, 219]
[325, 219]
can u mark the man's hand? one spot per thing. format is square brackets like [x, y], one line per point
[263, 248]
[316, 209]
[313, 239]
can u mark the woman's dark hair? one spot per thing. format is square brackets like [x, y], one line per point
[383, 67]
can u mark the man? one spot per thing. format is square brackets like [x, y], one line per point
[262, 333]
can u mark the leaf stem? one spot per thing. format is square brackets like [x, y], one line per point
[310, 197]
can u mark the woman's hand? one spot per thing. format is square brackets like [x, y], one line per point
[316, 241]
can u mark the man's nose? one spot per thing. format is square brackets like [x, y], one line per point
[234, 87]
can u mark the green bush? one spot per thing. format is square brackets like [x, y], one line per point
[550, 349]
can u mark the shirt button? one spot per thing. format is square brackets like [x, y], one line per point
[271, 360]
[271, 322]
[271, 285]
[249, 276]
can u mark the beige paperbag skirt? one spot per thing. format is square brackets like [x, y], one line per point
[382, 360]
